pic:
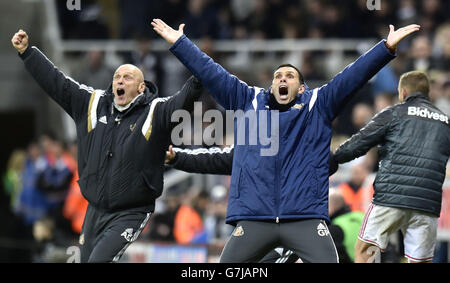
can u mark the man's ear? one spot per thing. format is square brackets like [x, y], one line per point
[301, 89]
[141, 87]
[403, 93]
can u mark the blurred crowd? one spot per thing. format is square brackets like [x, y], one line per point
[208, 20]
[45, 199]
[244, 19]
[41, 180]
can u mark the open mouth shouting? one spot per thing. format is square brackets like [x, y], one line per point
[283, 90]
[120, 91]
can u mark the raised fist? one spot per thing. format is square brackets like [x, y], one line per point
[20, 41]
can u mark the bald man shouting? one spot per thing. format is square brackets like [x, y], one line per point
[123, 133]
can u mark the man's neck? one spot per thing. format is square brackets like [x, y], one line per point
[122, 108]
[273, 103]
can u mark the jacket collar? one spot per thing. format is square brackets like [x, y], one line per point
[415, 95]
[273, 104]
[150, 93]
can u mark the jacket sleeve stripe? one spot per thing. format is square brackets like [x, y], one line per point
[92, 110]
[313, 99]
[255, 100]
[81, 86]
[147, 128]
[212, 150]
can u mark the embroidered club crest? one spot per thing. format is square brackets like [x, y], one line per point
[239, 231]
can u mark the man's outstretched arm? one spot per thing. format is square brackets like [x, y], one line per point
[332, 96]
[69, 94]
[227, 89]
[183, 100]
[371, 135]
[202, 160]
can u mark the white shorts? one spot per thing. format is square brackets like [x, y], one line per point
[419, 230]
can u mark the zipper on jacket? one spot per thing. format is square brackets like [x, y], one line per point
[277, 191]
[110, 155]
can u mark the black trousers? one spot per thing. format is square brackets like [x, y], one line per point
[105, 236]
[251, 241]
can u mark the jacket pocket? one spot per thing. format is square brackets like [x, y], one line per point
[235, 185]
[147, 183]
[90, 189]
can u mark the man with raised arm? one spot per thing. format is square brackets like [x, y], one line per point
[282, 199]
[123, 133]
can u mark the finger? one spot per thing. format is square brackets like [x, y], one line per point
[411, 27]
[391, 28]
[171, 148]
[411, 30]
[156, 25]
[160, 22]
[155, 22]
[181, 28]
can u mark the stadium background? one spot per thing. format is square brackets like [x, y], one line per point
[248, 37]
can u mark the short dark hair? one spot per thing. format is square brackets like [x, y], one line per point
[300, 75]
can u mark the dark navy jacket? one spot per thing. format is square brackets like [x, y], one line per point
[292, 183]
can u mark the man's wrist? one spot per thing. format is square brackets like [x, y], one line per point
[25, 52]
[391, 49]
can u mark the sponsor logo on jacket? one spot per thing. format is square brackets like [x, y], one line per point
[425, 113]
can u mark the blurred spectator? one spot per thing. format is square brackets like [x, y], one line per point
[435, 13]
[443, 102]
[407, 12]
[75, 205]
[385, 81]
[362, 113]
[94, 71]
[55, 179]
[214, 219]
[260, 23]
[188, 224]
[353, 191]
[200, 19]
[420, 55]
[146, 60]
[32, 203]
[383, 100]
[46, 143]
[442, 48]
[86, 23]
[348, 222]
[135, 16]
[54, 182]
[162, 223]
[12, 179]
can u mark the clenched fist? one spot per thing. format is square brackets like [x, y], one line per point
[20, 41]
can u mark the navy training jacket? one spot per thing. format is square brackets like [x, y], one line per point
[292, 182]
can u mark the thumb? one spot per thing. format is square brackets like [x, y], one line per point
[170, 149]
[181, 28]
[391, 28]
